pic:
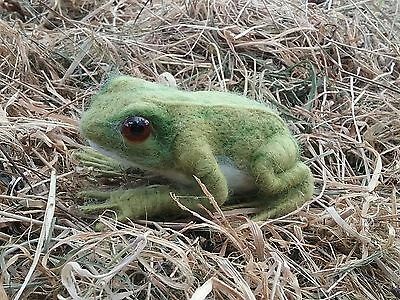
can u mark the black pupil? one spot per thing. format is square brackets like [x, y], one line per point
[137, 125]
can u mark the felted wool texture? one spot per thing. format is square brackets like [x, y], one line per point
[190, 129]
[150, 202]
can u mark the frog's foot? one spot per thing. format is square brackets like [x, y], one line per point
[281, 174]
[103, 202]
[286, 202]
[92, 159]
[136, 203]
[149, 202]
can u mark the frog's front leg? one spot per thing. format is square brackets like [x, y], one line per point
[195, 157]
[286, 181]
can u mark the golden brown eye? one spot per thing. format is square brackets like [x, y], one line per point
[136, 129]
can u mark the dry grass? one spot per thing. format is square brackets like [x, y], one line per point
[332, 70]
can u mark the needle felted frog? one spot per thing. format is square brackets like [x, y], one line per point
[234, 145]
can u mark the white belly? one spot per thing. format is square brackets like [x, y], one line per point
[238, 180]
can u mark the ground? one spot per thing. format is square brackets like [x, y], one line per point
[331, 68]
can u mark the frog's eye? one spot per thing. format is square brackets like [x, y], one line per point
[136, 129]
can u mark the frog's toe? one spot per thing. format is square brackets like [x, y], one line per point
[94, 194]
[265, 215]
[97, 207]
[98, 196]
[286, 203]
[91, 158]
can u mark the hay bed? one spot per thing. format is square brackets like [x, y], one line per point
[330, 67]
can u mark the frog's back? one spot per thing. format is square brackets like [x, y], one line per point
[218, 108]
[146, 91]
[208, 100]
[215, 98]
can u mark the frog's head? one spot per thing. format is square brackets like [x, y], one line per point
[125, 121]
